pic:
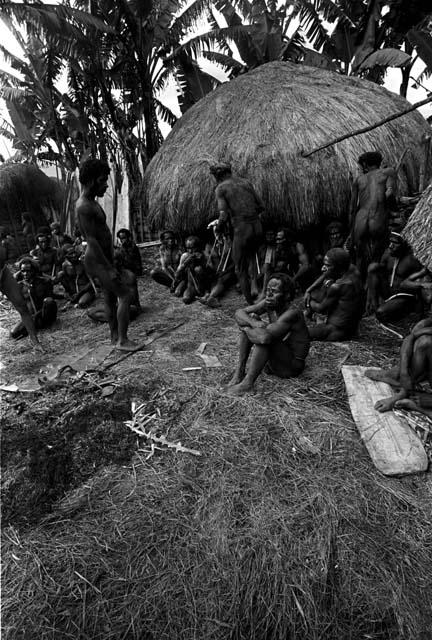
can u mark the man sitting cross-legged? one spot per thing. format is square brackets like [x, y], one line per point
[279, 345]
[342, 301]
[414, 366]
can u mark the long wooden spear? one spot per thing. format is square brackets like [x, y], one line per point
[306, 154]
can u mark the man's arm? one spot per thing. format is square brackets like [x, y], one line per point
[303, 260]
[247, 317]
[222, 206]
[137, 261]
[329, 302]
[274, 331]
[353, 204]
[391, 187]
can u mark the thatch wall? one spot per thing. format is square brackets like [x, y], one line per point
[418, 231]
[25, 188]
[260, 122]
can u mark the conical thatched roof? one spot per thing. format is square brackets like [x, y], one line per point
[25, 188]
[260, 122]
[418, 231]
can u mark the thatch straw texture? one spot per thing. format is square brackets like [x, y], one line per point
[260, 122]
[418, 231]
[25, 188]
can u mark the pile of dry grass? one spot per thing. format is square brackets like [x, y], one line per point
[260, 122]
[280, 529]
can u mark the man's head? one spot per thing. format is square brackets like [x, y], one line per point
[270, 236]
[29, 268]
[397, 245]
[334, 232]
[192, 244]
[93, 174]
[280, 291]
[221, 171]
[125, 236]
[336, 262]
[167, 238]
[43, 239]
[370, 160]
[55, 228]
[426, 292]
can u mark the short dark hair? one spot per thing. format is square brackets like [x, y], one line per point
[370, 159]
[288, 286]
[91, 170]
[340, 258]
[123, 231]
[163, 234]
[221, 169]
[29, 260]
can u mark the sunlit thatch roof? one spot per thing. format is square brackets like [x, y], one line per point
[260, 122]
[418, 230]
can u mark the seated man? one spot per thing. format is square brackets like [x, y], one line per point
[414, 366]
[280, 345]
[169, 259]
[388, 282]
[191, 271]
[37, 292]
[44, 254]
[127, 256]
[267, 258]
[343, 301]
[58, 238]
[12, 290]
[221, 267]
[292, 258]
[74, 279]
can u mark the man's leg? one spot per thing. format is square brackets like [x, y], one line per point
[110, 303]
[161, 277]
[327, 333]
[245, 347]
[258, 361]
[395, 309]
[48, 314]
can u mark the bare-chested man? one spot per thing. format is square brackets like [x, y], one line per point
[390, 293]
[11, 289]
[373, 193]
[99, 256]
[342, 303]
[240, 206]
[414, 366]
[280, 345]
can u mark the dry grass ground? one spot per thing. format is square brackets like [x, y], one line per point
[281, 529]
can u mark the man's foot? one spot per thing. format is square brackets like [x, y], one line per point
[239, 389]
[380, 375]
[236, 379]
[203, 299]
[126, 345]
[213, 303]
[406, 403]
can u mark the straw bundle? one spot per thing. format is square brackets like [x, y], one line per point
[260, 123]
[418, 231]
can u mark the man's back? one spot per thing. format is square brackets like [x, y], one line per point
[243, 202]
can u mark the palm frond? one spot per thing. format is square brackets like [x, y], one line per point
[165, 114]
[225, 61]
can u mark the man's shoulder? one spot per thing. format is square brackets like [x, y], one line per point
[85, 206]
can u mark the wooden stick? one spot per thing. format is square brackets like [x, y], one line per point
[155, 336]
[368, 128]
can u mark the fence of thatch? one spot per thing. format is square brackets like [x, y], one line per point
[418, 231]
[261, 122]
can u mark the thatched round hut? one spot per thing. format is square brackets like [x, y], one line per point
[25, 188]
[418, 231]
[261, 122]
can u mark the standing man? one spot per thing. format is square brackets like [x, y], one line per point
[373, 194]
[99, 255]
[240, 206]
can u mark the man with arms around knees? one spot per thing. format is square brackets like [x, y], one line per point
[99, 255]
[276, 335]
[343, 301]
